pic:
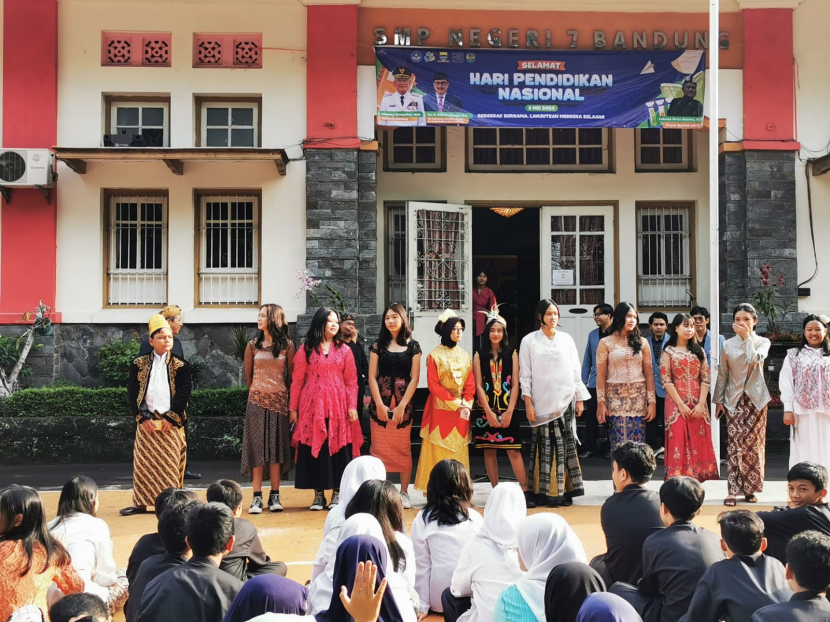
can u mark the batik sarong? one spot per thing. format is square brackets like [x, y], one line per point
[553, 445]
[158, 463]
[745, 451]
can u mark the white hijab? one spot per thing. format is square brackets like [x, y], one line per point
[356, 472]
[545, 541]
[320, 590]
[503, 513]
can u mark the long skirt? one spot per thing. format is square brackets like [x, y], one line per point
[553, 446]
[266, 440]
[432, 454]
[627, 406]
[392, 446]
[689, 449]
[158, 463]
[624, 429]
[745, 451]
[810, 439]
[323, 472]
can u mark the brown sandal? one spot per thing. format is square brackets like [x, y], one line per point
[730, 502]
[751, 499]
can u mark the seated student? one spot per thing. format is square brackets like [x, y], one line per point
[441, 530]
[173, 532]
[268, 594]
[489, 563]
[150, 544]
[248, 558]
[808, 573]
[807, 489]
[197, 591]
[87, 540]
[31, 558]
[77, 607]
[630, 515]
[735, 588]
[604, 607]
[545, 542]
[567, 587]
[675, 558]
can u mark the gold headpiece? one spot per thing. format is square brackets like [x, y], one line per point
[446, 315]
[156, 322]
[171, 311]
[493, 316]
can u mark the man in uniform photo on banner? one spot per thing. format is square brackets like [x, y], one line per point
[158, 390]
[441, 100]
[402, 100]
[688, 105]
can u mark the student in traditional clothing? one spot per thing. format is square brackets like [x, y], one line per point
[483, 300]
[445, 426]
[805, 391]
[268, 594]
[266, 438]
[625, 379]
[496, 425]
[808, 574]
[173, 533]
[151, 543]
[247, 559]
[630, 515]
[551, 384]
[685, 376]
[741, 394]
[606, 608]
[658, 323]
[602, 318]
[359, 470]
[807, 510]
[323, 407]
[735, 588]
[567, 587]
[545, 542]
[79, 608]
[197, 591]
[675, 558]
[441, 530]
[394, 372]
[158, 390]
[87, 540]
[31, 559]
[489, 563]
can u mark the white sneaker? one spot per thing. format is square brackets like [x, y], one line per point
[319, 501]
[335, 499]
[407, 502]
[274, 502]
[256, 506]
[659, 452]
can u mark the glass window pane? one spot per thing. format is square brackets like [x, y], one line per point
[650, 136]
[127, 236]
[564, 296]
[153, 137]
[152, 117]
[485, 156]
[672, 137]
[590, 155]
[217, 116]
[512, 156]
[592, 260]
[126, 116]
[242, 116]
[564, 156]
[403, 135]
[484, 136]
[537, 136]
[425, 134]
[217, 210]
[151, 212]
[216, 138]
[590, 136]
[425, 155]
[673, 155]
[126, 211]
[511, 136]
[650, 155]
[242, 138]
[591, 296]
[151, 240]
[592, 223]
[402, 155]
[538, 156]
[564, 136]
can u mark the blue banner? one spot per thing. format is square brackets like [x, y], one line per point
[539, 88]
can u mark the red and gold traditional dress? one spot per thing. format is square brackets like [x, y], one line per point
[444, 433]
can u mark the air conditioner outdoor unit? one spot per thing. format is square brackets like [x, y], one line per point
[27, 167]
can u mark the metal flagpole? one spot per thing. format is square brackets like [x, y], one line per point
[714, 212]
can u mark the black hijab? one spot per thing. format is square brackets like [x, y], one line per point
[567, 587]
[445, 330]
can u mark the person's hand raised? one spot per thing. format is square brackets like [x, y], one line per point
[364, 604]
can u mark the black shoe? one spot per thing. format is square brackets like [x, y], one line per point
[132, 510]
[530, 499]
[553, 502]
[567, 500]
[188, 474]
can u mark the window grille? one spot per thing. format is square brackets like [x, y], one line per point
[227, 50]
[662, 149]
[230, 125]
[136, 49]
[396, 253]
[229, 256]
[664, 256]
[538, 149]
[414, 149]
[137, 261]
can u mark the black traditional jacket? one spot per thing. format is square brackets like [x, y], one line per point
[178, 376]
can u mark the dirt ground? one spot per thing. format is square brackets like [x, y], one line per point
[294, 535]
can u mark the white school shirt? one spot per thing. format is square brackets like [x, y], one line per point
[437, 549]
[550, 374]
[87, 540]
[158, 387]
[483, 574]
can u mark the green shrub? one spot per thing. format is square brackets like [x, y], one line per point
[9, 353]
[112, 402]
[114, 360]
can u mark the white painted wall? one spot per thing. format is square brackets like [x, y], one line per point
[82, 83]
[625, 186]
[731, 108]
[812, 55]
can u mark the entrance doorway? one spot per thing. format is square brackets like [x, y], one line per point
[507, 250]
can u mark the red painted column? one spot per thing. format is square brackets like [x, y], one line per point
[769, 78]
[331, 82]
[28, 237]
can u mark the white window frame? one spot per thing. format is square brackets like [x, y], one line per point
[395, 232]
[605, 166]
[389, 152]
[665, 290]
[115, 106]
[212, 278]
[685, 145]
[117, 279]
[229, 105]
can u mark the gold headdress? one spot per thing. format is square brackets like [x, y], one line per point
[171, 311]
[493, 316]
[446, 315]
[156, 322]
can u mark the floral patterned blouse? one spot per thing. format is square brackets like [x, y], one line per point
[683, 370]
